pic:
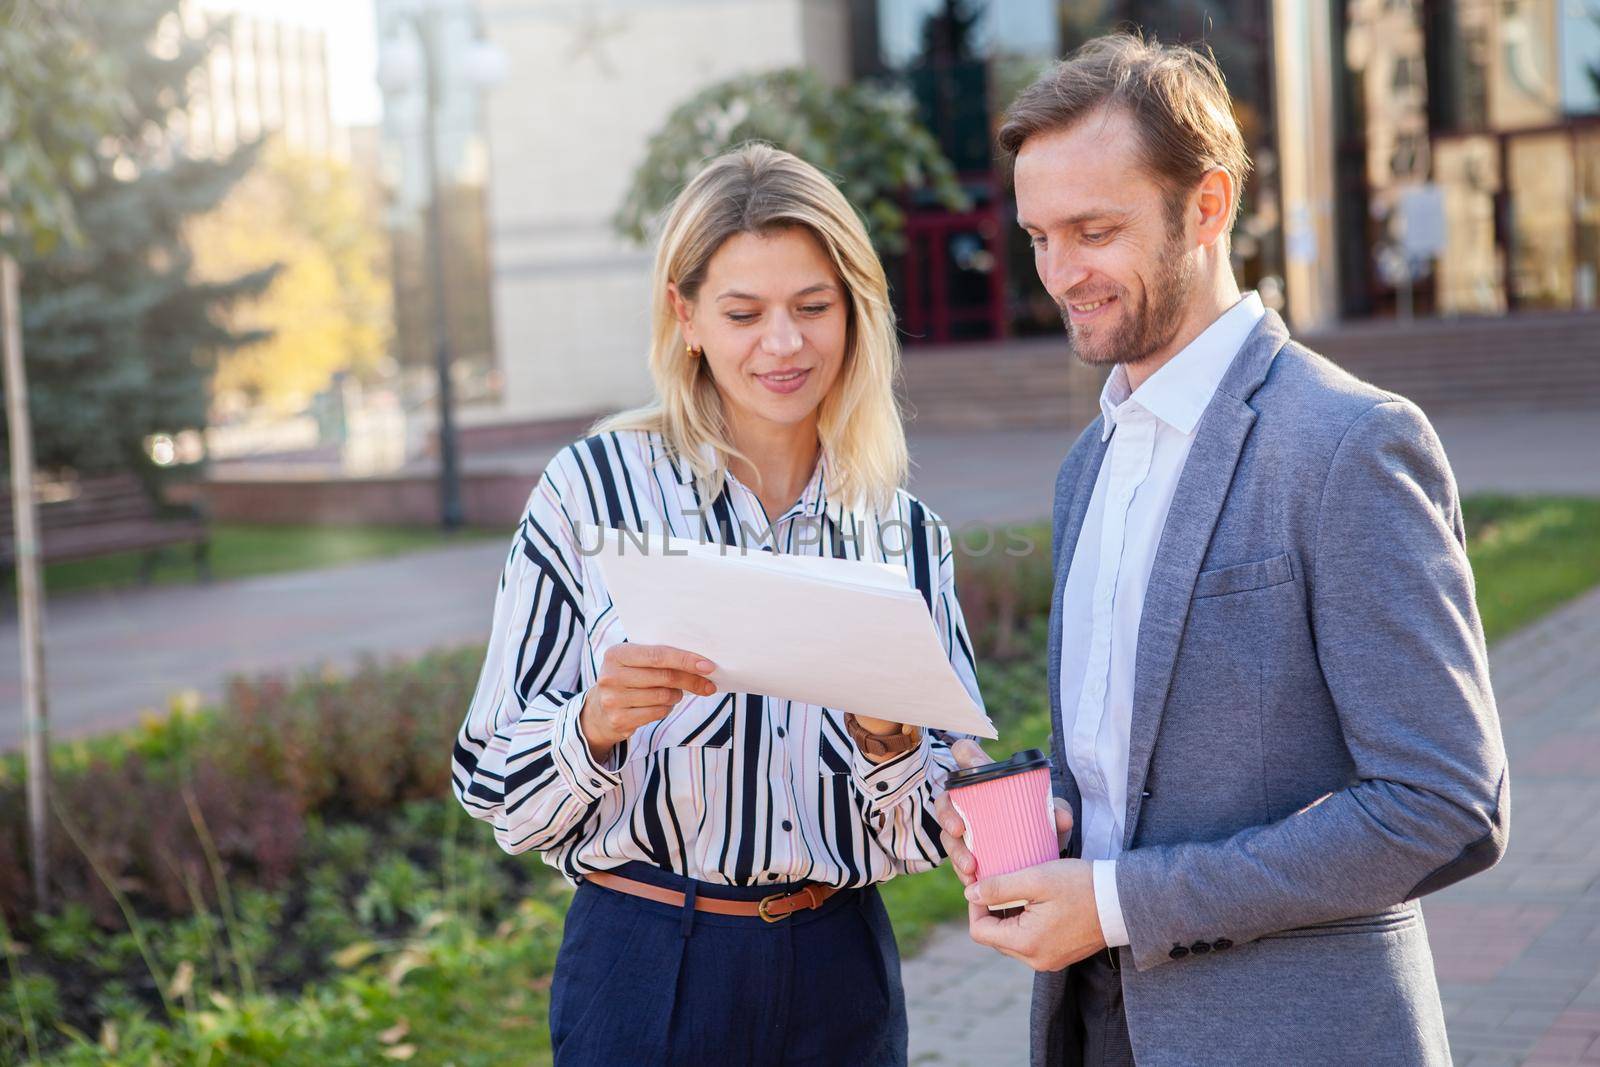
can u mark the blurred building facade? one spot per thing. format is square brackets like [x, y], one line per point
[261, 77]
[963, 61]
[1496, 105]
[587, 85]
[1351, 109]
[462, 146]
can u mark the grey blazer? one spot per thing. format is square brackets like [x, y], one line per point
[1314, 741]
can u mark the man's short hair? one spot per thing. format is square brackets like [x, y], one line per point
[1175, 95]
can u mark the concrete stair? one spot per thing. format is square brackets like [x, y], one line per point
[1033, 382]
[1512, 363]
[1516, 362]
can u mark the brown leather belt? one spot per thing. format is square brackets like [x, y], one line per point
[771, 908]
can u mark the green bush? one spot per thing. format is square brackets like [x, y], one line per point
[1003, 580]
[866, 138]
[140, 806]
[360, 896]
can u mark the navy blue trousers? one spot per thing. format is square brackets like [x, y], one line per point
[641, 983]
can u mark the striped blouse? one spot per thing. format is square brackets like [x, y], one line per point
[734, 788]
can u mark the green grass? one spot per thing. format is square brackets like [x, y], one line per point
[239, 551]
[1530, 555]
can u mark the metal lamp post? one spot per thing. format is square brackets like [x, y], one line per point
[400, 70]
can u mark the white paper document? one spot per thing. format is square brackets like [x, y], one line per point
[839, 633]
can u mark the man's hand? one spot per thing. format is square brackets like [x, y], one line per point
[1060, 924]
[952, 830]
[638, 684]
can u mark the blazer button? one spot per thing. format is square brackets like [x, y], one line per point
[1221, 943]
[1200, 948]
[1178, 952]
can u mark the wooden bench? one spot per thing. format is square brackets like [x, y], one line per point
[103, 516]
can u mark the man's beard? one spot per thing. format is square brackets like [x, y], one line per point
[1150, 326]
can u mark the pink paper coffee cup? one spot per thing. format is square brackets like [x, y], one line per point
[1010, 819]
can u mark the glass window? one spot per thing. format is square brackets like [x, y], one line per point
[1586, 273]
[908, 30]
[1524, 86]
[1458, 92]
[1539, 169]
[1580, 57]
[1469, 272]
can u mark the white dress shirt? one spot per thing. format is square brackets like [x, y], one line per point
[1151, 430]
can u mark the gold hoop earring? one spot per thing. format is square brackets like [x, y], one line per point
[694, 353]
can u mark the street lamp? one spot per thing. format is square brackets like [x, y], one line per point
[482, 67]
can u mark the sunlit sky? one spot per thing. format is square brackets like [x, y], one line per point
[352, 48]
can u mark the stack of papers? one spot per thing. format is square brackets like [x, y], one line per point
[842, 634]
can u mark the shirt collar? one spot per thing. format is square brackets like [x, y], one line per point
[1180, 390]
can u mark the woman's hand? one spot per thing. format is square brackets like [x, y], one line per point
[881, 727]
[638, 684]
[953, 829]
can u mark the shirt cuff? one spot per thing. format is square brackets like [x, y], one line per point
[586, 778]
[1107, 903]
[888, 783]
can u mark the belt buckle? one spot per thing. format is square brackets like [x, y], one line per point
[766, 916]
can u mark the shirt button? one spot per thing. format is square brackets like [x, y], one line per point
[1178, 952]
[787, 826]
[782, 733]
[883, 787]
[1200, 948]
[1221, 943]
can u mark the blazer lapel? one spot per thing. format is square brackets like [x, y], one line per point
[1196, 506]
[1072, 503]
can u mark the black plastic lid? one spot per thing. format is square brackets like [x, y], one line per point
[1027, 760]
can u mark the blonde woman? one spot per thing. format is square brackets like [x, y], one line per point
[726, 846]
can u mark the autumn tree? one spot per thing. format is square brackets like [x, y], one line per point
[328, 310]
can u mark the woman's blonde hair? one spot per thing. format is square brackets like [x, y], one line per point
[759, 189]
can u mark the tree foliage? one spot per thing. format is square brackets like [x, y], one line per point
[59, 94]
[120, 337]
[865, 137]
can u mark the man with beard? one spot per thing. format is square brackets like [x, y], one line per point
[1273, 725]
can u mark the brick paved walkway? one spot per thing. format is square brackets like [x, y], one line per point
[1517, 950]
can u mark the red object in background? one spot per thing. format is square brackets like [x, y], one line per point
[932, 309]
